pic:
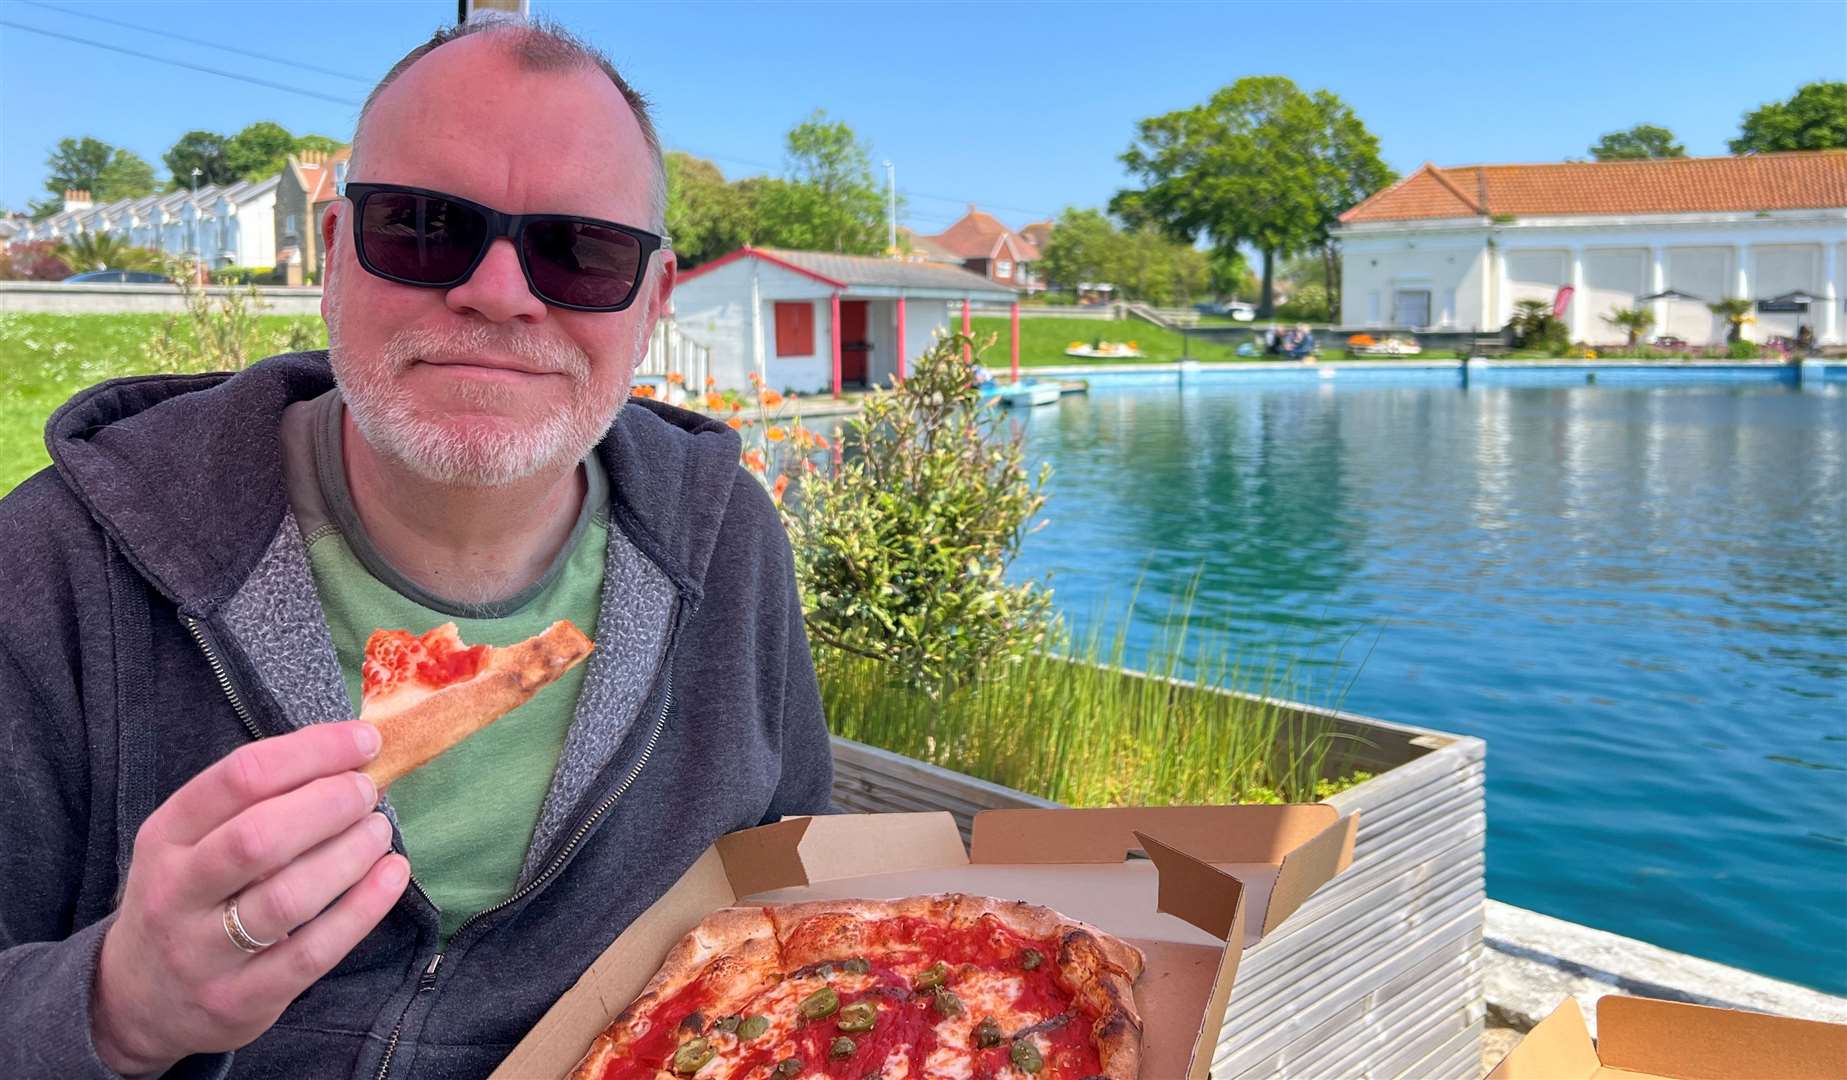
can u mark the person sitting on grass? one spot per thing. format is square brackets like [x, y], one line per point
[1301, 343]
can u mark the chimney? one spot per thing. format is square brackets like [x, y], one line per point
[76, 200]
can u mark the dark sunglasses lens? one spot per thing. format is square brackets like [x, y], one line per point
[419, 237]
[573, 262]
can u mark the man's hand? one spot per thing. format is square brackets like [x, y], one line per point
[286, 827]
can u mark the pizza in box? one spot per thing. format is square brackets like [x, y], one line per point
[946, 986]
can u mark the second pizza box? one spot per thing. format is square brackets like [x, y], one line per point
[1215, 880]
[1645, 1039]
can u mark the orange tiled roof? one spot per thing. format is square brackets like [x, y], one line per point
[976, 236]
[1793, 181]
[318, 173]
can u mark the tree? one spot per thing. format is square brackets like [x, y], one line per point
[1140, 261]
[317, 142]
[1081, 248]
[260, 150]
[1639, 143]
[829, 201]
[1261, 162]
[104, 250]
[108, 173]
[202, 150]
[1229, 274]
[705, 216]
[1635, 321]
[1736, 312]
[1814, 119]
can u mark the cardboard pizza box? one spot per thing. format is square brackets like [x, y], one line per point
[1212, 876]
[1645, 1039]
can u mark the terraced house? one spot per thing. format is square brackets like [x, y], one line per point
[1456, 248]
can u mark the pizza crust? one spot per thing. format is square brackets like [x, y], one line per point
[415, 727]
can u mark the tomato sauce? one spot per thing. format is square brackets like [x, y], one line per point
[905, 1018]
[434, 660]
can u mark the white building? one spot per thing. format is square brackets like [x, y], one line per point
[779, 313]
[1454, 249]
[230, 224]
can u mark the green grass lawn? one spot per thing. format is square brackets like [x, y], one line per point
[1043, 341]
[44, 359]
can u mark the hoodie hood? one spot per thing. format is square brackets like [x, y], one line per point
[185, 474]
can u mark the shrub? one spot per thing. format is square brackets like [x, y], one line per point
[215, 336]
[1634, 321]
[36, 260]
[1534, 327]
[902, 548]
[1740, 349]
[1308, 304]
[244, 275]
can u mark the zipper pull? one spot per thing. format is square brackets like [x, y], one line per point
[427, 981]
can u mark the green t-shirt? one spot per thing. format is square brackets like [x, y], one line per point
[467, 817]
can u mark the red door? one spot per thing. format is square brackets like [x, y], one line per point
[855, 346]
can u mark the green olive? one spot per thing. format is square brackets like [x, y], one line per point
[842, 1047]
[752, 1026]
[788, 1067]
[692, 1056]
[823, 1002]
[857, 966]
[859, 1016]
[931, 977]
[1031, 959]
[946, 1003]
[988, 1034]
[1026, 1056]
[726, 1023]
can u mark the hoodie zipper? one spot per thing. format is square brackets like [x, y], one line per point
[427, 981]
[223, 677]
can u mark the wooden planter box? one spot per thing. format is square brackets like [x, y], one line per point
[1379, 974]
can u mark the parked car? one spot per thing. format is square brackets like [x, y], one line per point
[1236, 309]
[132, 277]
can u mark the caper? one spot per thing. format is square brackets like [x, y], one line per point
[988, 1034]
[946, 1003]
[823, 1002]
[857, 966]
[752, 1026]
[692, 1056]
[1031, 959]
[842, 1047]
[693, 1022]
[931, 977]
[859, 1016]
[1026, 1056]
[726, 1023]
[788, 1067]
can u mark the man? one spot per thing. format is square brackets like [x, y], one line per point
[197, 880]
[1301, 342]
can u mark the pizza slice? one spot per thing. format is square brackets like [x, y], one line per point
[426, 693]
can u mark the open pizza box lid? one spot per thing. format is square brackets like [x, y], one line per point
[1645, 1039]
[1213, 875]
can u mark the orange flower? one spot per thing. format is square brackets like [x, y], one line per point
[735, 424]
[754, 459]
[774, 433]
[643, 390]
[676, 378]
[737, 406]
[782, 484]
[710, 382]
[771, 399]
[714, 401]
[756, 379]
[820, 441]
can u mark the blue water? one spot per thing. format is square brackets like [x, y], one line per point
[1635, 591]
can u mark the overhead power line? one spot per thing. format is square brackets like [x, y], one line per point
[360, 79]
[181, 64]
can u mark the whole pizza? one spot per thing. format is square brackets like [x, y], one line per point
[950, 986]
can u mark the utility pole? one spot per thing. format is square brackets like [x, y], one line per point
[198, 260]
[891, 209]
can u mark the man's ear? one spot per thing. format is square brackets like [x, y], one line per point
[330, 225]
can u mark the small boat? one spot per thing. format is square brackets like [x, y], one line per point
[1104, 350]
[1025, 394]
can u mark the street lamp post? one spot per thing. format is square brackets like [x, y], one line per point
[195, 221]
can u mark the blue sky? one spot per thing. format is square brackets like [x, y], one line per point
[1021, 108]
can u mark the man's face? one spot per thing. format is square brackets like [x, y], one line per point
[484, 384]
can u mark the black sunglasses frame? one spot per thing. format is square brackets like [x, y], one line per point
[511, 226]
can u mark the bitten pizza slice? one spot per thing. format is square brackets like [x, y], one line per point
[426, 693]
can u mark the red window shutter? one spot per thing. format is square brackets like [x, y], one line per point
[795, 329]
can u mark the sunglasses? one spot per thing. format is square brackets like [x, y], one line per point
[415, 236]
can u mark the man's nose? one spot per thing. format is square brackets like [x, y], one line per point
[497, 290]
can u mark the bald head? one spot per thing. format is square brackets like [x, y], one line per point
[535, 47]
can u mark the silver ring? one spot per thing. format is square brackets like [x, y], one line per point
[240, 937]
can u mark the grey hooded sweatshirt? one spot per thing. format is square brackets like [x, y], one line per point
[157, 611]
